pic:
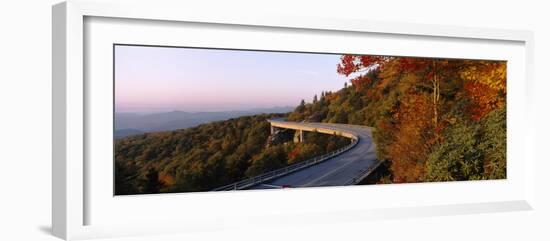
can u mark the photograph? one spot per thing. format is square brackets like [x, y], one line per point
[191, 119]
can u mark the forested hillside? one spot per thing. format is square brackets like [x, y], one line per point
[435, 119]
[209, 155]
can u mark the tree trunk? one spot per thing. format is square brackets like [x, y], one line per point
[435, 83]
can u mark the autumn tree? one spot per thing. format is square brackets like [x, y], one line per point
[417, 101]
[485, 86]
[428, 70]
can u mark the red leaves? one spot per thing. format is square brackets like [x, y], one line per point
[483, 99]
[430, 75]
[371, 61]
[350, 64]
[419, 100]
[413, 122]
[166, 178]
[411, 64]
[294, 153]
[347, 65]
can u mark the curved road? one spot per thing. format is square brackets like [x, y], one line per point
[344, 169]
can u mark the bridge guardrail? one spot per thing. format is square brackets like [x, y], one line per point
[285, 170]
[349, 125]
[364, 173]
[326, 123]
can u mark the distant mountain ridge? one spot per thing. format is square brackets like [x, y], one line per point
[132, 123]
[119, 133]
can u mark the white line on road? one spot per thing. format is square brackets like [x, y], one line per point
[327, 174]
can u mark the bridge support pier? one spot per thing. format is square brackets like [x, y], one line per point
[299, 136]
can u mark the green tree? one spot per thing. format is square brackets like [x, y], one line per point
[458, 156]
[271, 159]
[493, 142]
[125, 176]
[152, 184]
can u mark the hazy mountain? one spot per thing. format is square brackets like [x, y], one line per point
[127, 132]
[130, 123]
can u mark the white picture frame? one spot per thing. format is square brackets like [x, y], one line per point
[72, 192]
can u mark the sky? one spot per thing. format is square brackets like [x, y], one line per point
[156, 79]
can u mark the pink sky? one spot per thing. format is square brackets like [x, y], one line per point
[165, 79]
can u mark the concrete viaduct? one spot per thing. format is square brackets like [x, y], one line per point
[346, 166]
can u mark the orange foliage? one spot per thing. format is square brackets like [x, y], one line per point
[423, 86]
[483, 99]
[412, 138]
[294, 153]
[331, 96]
[166, 179]
[350, 64]
[490, 73]
[485, 87]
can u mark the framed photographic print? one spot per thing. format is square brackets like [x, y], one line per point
[202, 121]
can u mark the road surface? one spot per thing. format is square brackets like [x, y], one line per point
[337, 171]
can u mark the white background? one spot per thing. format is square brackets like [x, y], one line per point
[25, 126]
